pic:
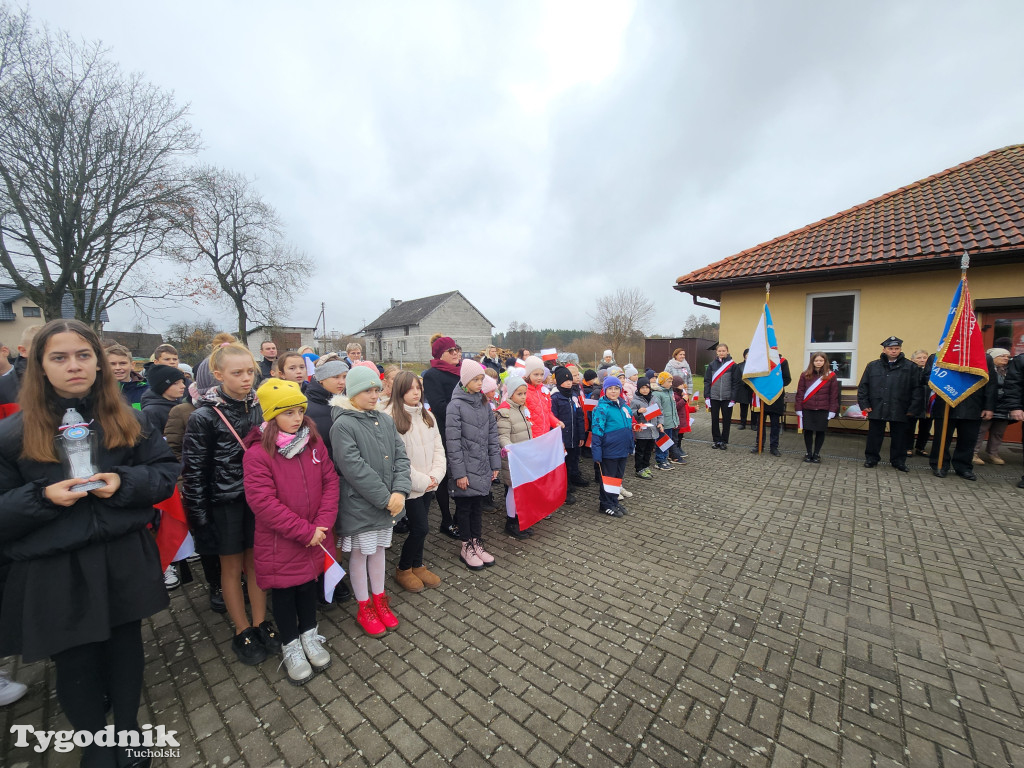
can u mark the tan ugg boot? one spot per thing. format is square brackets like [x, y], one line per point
[430, 580]
[408, 580]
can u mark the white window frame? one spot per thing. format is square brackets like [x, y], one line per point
[827, 347]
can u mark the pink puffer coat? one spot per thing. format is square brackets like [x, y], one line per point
[290, 498]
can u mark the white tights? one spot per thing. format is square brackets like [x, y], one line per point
[359, 565]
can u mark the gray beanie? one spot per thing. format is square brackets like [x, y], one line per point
[512, 383]
[329, 370]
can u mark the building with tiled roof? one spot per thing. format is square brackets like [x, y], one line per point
[888, 266]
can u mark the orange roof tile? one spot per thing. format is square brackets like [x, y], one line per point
[977, 206]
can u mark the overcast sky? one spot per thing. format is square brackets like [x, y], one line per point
[536, 156]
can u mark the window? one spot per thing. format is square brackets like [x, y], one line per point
[407, 330]
[832, 320]
[31, 312]
[401, 347]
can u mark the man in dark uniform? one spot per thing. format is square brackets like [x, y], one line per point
[965, 419]
[1012, 401]
[888, 392]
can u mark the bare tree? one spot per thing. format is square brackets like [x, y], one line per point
[88, 171]
[192, 340]
[230, 230]
[700, 326]
[622, 317]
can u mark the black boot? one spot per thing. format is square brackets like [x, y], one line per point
[513, 530]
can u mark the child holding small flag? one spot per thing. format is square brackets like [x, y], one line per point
[292, 489]
[612, 430]
[651, 421]
[661, 391]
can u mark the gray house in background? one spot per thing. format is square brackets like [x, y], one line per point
[403, 332]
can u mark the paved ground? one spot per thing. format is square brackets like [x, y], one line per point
[751, 610]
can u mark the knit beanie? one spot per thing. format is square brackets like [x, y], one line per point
[512, 383]
[533, 363]
[329, 370]
[489, 385]
[643, 381]
[368, 365]
[277, 395]
[469, 371]
[360, 379]
[160, 377]
[607, 353]
[185, 368]
[664, 379]
[630, 370]
[589, 375]
[440, 345]
[610, 381]
[997, 352]
[204, 376]
[650, 373]
[562, 375]
[616, 371]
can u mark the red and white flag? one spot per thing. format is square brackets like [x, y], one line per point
[664, 442]
[653, 411]
[549, 355]
[173, 539]
[612, 485]
[333, 573]
[537, 468]
[589, 404]
[520, 364]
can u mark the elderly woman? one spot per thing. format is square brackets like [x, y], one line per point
[992, 430]
[677, 366]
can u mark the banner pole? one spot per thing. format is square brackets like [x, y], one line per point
[942, 442]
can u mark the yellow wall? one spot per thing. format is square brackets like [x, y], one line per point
[908, 305]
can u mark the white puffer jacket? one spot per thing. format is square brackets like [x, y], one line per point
[425, 450]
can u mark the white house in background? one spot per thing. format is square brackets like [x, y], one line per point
[403, 332]
[285, 336]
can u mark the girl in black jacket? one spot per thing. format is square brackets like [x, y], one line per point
[214, 496]
[84, 569]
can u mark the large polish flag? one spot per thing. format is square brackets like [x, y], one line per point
[173, 539]
[537, 468]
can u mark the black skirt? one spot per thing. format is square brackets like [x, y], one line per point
[62, 601]
[815, 421]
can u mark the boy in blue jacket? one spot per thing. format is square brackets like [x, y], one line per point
[611, 442]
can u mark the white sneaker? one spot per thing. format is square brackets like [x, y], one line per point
[295, 663]
[10, 691]
[312, 646]
[171, 580]
[625, 494]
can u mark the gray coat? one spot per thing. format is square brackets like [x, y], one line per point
[472, 443]
[370, 457]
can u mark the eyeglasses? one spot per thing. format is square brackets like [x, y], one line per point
[454, 349]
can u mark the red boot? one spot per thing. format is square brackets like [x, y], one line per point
[369, 621]
[380, 603]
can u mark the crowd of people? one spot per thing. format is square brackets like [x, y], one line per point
[290, 462]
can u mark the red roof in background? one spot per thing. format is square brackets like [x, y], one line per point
[977, 206]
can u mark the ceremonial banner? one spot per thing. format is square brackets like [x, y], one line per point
[960, 366]
[762, 370]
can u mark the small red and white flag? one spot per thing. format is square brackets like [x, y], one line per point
[426, 405]
[549, 355]
[173, 539]
[664, 442]
[537, 470]
[653, 411]
[612, 485]
[520, 364]
[589, 404]
[333, 574]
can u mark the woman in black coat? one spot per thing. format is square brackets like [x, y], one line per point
[439, 382]
[84, 569]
